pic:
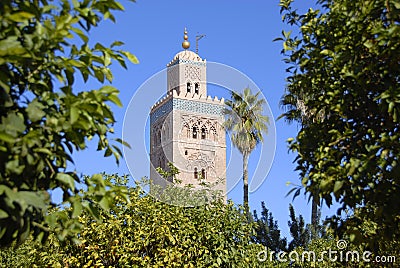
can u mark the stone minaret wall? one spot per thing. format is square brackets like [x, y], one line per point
[186, 125]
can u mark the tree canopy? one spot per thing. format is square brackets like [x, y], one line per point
[146, 232]
[300, 233]
[44, 45]
[267, 230]
[143, 231]
[344, 65]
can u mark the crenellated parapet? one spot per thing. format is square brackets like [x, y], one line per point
[187, 96]
[195, 103]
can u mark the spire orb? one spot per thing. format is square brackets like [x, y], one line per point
[185, 43]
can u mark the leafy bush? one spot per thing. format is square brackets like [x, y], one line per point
[145, 232]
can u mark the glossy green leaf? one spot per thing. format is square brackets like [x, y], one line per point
[80, 33]
[12, 47]
[132, 58]
[35, 111]
[74, 115]
[20, 16]
[3, 214]
[36, 199]
[115, 100]
[77, 208]
[6, 137]
[15, 167]
[116, 44]
[66, 179]
[338, 185]
[123, 142]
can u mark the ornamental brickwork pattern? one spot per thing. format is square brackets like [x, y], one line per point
[188, 106]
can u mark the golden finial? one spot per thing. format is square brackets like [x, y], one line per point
[185, 44]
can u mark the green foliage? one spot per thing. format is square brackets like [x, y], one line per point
[298, 230]
[246, 124]
[344, 69]
[148, 233]
[169, 174]
[43, 118]
[267, 231]
[188, 195]
[244, 120]
[144, 232]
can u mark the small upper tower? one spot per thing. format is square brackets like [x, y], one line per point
[186, 124]
[187, 73]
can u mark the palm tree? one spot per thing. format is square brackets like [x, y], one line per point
[296, 110]
[246, 124]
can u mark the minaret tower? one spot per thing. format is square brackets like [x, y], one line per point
[186, 124]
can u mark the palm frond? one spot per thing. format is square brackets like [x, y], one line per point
[244, 120]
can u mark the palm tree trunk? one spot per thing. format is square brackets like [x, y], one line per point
[246, 183]
[314, 218]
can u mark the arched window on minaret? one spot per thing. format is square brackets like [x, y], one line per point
[166, 131]
[196, 174]
[186, 130]
[203, 174]
[196, 88]
[213, 134]
[157, 138]
[203, 133]
[188, 87]
[194, 133]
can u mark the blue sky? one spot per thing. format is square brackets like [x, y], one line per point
[239, 34]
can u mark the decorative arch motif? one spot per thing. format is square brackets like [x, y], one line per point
[198, 127]
[163, 134]
[160, 133]
[201, 161]
[213, 134]
[173, 76]
[157, 137]
[185, 130]
[166, 127]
